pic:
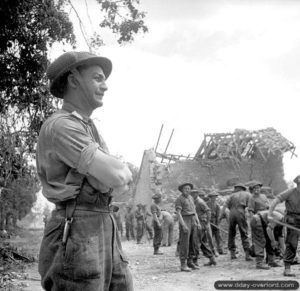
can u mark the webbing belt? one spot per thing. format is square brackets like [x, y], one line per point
[92, 208]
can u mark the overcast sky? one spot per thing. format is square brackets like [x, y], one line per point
[204, 67]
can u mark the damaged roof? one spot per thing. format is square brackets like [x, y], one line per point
[243, 144]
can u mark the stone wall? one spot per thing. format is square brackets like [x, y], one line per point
[158, 178]
[218, 174]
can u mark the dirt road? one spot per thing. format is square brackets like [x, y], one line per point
[151, 273]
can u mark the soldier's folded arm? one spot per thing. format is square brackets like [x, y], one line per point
[78, 150]
[109, 170]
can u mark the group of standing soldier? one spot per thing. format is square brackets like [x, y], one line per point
[157, 224]
[199, 217]
[273, 232]
[195, 234]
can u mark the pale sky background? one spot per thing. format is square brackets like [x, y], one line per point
[206, 66]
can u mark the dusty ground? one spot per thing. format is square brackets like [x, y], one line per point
[151, 273]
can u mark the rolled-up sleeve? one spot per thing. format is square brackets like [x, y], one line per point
[73, 144]
[284, 195]
[178, 204]
[251, 204]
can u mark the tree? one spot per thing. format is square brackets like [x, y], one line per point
[27, 29]
[18, 181]
[120, 16]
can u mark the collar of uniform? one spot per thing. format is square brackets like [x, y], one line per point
[71, 109]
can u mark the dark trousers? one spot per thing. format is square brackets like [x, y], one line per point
[157, 235]
[168, 230]
[261, 241]
[238, 218]
[129, 231]
[140, 225]
[201, 243]
[291, 241]
[187, 238]
[120, 226]
[92, 259]
[149, 230]
[216, 234]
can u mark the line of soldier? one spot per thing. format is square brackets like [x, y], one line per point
[162, 224]
[146, 223]
[199, 221]
[268, 225]
[195, 233]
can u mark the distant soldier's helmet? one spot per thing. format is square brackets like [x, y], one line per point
[253, 184]
[180, 187]
[240, 185]
[213, 194]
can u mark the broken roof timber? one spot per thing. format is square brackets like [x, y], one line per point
[243, 143]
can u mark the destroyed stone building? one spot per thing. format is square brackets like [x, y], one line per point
[222, 160]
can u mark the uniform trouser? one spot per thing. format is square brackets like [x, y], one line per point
[201, 243]
[91, 260]
[120, 226]
[216, 234]
[149, 229]
[209, 236]
[261, 241]
[238, 218]
[129, 231]
[291, 241]
[157, 235]
[187, 238]
[167, 230]
[139, 229]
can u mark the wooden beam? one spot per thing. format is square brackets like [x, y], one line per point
[168, 144]
[162, 126]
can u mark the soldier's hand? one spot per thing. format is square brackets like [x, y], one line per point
[185, 228]
[274, 244]
[271, 218]
[97, 185]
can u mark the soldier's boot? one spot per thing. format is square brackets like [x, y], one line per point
[157, 252]
[221, 252]
[260, 264]
[191, 265]
[195, 262]
[272, 263]
[212, 261]
[287, 270]
[214, 252]
[233, 255]
[184, 267]
[247, 255]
